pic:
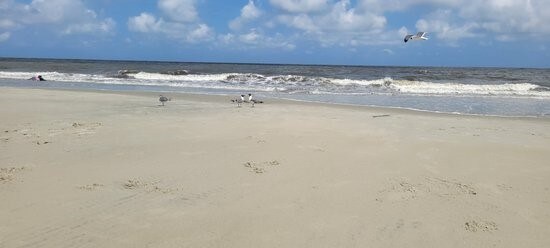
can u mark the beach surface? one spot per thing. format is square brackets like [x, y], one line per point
[116, 169]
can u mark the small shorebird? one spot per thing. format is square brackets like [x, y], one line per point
[238, 101]
[163, 99]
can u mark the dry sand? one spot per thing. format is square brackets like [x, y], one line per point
[107, 169]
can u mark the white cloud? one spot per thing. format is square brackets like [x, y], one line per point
[7, 23]
[300, 6]
[381, 6]
[248, 13]
[251, 38]
[63, 16]
[4, 36]
[144, 23]
[200, 33]
[346, 23]
[510, 17]
[256, 39]
[179, 10]
[185, 28]
[104, 27]
[440, 25]
[55, 11]
[505, 20]
[339, 23]
[301, 22]
[344, 17]
[226, 39]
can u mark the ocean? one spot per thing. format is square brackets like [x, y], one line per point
[472, 91]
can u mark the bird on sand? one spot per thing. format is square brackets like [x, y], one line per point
[253, 101]
[239, 101]
[163, 99]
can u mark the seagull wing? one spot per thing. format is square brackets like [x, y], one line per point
[420, 34]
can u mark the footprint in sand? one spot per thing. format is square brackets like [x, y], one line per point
[480, 226]
[404, 190]
[8, 174]
[261, 167]
[400, 190]
[90, 187]
[78, 128]
[85, 128]
[153, 186]
[26, 132]
[136, 184]
[443, 187]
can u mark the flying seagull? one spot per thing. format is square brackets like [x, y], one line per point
[417, 36]
[163, 99]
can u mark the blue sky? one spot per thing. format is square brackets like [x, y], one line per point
[511, 33]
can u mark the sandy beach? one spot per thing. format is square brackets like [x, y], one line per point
[116, 169]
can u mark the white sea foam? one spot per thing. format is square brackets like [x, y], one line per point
[293, 84]
[189, 77]
[507, 89]
[376, 82]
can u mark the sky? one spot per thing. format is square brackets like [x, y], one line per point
[476, 33]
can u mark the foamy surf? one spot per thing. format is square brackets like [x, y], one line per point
[294, 83]
[486, 91]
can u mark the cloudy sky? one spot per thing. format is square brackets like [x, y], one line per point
[357, 32]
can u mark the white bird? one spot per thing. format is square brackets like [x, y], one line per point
[417, 36]
[253, 101]
[163, 99]
[239, 101]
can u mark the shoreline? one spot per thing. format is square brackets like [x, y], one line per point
[109, 169]
[218, 97]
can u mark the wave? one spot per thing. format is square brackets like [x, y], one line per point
[293, 83]
[188, 77]
[176, 72]
[508, 89]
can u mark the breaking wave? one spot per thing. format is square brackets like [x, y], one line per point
[294, 83]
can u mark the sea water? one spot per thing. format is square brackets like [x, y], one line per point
[479, 91]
